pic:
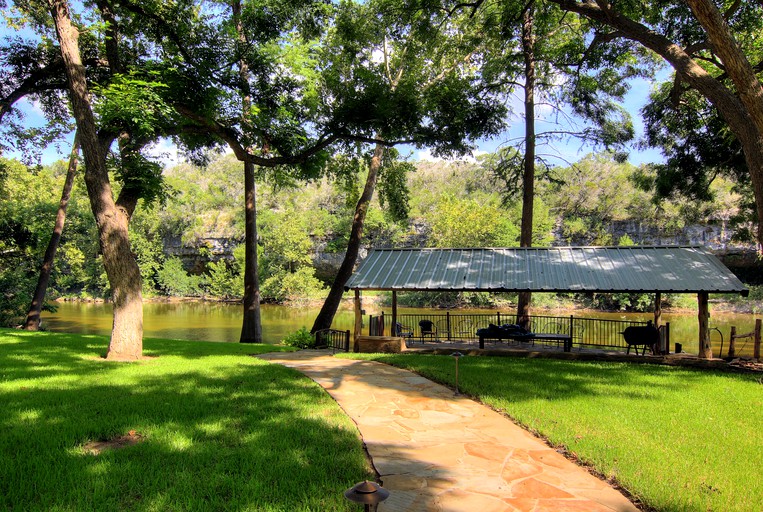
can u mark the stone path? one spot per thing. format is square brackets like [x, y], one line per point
[440, 452]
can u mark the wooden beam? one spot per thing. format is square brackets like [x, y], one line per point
[705, 347]
[663, 348]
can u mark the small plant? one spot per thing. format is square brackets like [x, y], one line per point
[300, 339]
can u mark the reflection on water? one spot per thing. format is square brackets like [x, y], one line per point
[222, 322]
[195, 321]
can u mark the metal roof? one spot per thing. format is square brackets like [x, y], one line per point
[554, 269]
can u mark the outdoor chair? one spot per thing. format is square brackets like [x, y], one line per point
[427, 329]
[403, 331]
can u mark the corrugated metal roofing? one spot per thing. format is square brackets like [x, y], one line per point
[554, 269]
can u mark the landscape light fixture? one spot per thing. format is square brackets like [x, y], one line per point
[457, 355]
[370, 494]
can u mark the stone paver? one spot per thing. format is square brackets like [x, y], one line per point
[440, 452]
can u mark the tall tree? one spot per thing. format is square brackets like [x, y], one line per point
[417, 69]
[251, 328]
[112, 220]
[32, 322]
[545, 56]
[712, 51]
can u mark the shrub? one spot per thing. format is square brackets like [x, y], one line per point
[300, 339]
[293, 286]
[175, 281]
[224, 280]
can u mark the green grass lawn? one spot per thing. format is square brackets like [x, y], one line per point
[221, 430]
[677, 439]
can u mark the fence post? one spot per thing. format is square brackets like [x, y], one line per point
[382, 325]
[347, 340]
[667, 337]
[447, 323]
[732, 343]
[756, 352]
[498, 313]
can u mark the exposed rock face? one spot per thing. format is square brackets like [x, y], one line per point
[195, 257]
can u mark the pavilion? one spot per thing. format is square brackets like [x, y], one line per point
[635, 269]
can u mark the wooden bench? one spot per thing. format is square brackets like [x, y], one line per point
[566, 339]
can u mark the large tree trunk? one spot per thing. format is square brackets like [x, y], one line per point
[528, 179]
[251, 327]
[746, 81]
[118, 260]
[35, 309]
[326, 315]
[743, 113]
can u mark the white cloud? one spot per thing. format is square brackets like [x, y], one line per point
[425, 155]
[165, 151]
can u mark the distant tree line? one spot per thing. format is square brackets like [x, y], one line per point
[449, 204]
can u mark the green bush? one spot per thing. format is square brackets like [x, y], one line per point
[224, 280]
[293, 286]
[300, 339]
[175, 281]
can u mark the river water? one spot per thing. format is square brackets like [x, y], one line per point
[209, 321]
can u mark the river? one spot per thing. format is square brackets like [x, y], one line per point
[209, 321]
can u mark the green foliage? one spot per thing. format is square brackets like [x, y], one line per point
[632, 302]
[472, 223]
[625, 241]
[223, 279]
[300, 339]
[175, 281]
[293, 286]
[16, 296]
[393, 185]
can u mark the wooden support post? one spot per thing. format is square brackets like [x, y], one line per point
[358, 318]
[732, 343]
[705, 347]
[657, 310]
[667, 337]
[756, 353]
[447, 323]
[393, 329]
[380, 330]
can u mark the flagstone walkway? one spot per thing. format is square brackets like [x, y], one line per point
[436, 451]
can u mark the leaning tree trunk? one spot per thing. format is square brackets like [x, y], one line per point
[326, 315]
[528, 180]
[118, 260]
[35, 309]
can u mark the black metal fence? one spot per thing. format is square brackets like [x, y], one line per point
[462, 327]
[333, 339]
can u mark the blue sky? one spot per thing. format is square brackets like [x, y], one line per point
[570, 151]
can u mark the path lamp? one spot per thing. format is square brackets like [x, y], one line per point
[370, 494]
[457, 355]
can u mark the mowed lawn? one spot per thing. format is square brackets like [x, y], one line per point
[217, 428]
[676, 439]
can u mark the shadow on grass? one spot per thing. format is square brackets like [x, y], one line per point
[220, 433]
